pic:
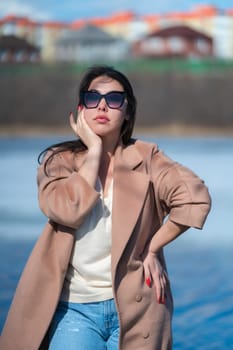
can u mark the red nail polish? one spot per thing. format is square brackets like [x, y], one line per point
[148, 281]
[161, 301]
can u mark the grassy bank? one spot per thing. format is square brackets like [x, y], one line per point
[195, 66]
[177, 96]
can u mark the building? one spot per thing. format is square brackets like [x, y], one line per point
[51, 32]
[212, 31]
[42, 35]
[176, 41]
[223, 36]
[14, 49]
[22, 27]
[90, 43]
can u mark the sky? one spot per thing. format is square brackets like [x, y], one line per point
[70, 10]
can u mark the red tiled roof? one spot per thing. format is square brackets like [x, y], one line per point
[178, 15]
[205, 10]
[124, 16]
[197, 11]
[23, 21]
[53, 24]
[78, 24]
[11, 18]
[149, 18]
[119, 17]
[229, 12]
[181, 31]
[99, 21]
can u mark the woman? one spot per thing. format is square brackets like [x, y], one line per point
[97, 278]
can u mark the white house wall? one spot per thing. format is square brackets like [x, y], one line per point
[223, 36]
[82, 53]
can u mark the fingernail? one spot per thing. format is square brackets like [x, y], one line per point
[161, 301]
[148, 281]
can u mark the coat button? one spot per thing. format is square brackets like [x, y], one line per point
[145, 334]
[138, 298]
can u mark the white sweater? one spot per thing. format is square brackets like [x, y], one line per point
[88, 278]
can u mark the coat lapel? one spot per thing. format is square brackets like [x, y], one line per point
[129, 191]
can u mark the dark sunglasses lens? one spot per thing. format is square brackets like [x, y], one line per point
[115, 99]
[91, 99]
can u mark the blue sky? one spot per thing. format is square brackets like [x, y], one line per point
[69, 10]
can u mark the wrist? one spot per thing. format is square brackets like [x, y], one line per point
[95, 150]
[154, 253]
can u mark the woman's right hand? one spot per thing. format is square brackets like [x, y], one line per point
[89, 170]
[84, 132]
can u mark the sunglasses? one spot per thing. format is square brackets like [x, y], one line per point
[114, 99]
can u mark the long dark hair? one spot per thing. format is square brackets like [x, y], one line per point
[128, 125]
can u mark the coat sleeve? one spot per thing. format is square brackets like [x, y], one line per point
[182, 195]
[65, 197]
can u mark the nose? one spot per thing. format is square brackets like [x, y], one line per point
[102, 104]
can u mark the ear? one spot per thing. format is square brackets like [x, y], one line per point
[127, 117]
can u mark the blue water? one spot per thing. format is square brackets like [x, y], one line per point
[200, 263]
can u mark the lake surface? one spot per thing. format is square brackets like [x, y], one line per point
[200, 262]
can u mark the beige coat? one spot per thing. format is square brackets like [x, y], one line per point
[147, 187]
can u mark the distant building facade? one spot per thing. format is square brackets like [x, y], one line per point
[14, 49]
[223, 35]
[90, 43]
[128, 29]
[177, 41]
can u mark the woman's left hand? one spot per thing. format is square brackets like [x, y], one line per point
[155, 276]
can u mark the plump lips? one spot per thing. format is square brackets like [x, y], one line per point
[102, 119]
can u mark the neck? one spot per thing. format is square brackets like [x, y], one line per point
[107, 162]
[109, 146]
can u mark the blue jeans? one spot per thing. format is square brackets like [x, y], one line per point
[85, 326]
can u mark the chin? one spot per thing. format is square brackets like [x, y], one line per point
[105, 134]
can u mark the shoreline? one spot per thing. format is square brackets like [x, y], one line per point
[169, 130]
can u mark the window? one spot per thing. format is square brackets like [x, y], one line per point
[202, 46]
[153, 45]
[176, 44]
